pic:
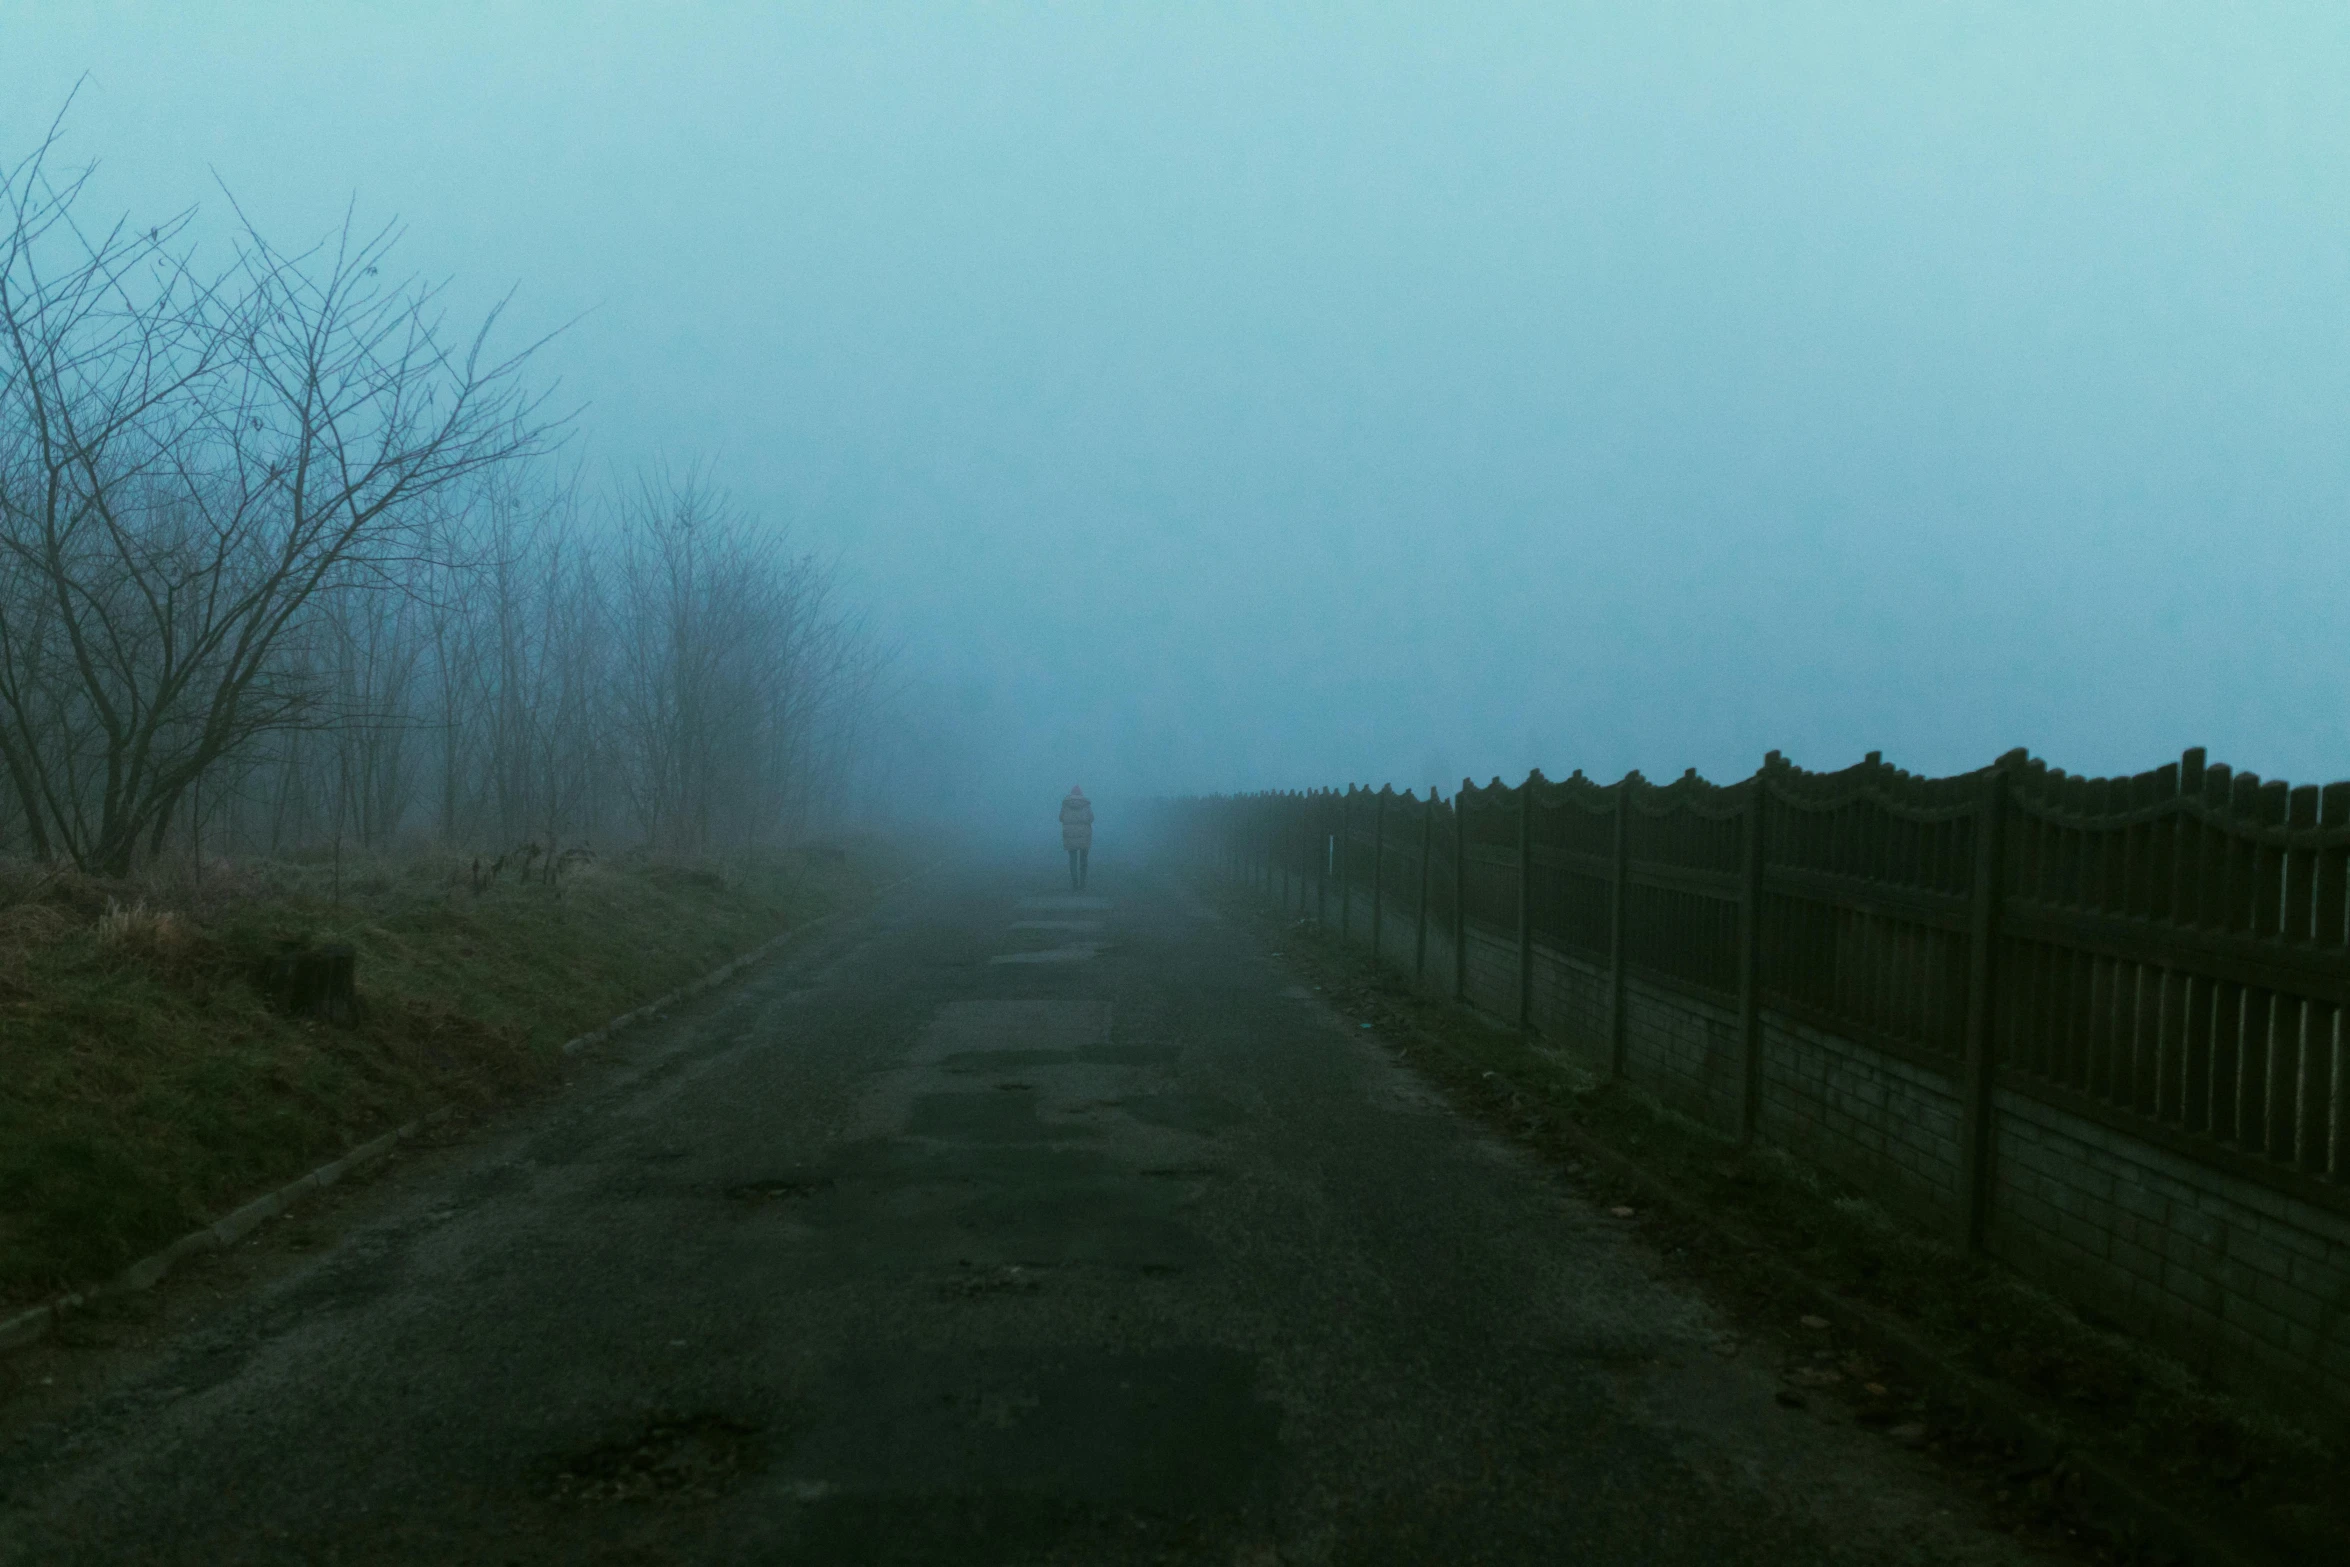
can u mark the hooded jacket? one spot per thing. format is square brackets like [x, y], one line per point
[1076, 821]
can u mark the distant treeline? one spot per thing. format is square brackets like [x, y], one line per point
[282, 561]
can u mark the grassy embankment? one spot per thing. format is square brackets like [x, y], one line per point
[146, 1087]
[2270, 1481]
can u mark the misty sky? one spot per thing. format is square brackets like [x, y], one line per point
[1245, 395]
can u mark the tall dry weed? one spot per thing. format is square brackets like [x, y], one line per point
[136, 928]
[24, 930]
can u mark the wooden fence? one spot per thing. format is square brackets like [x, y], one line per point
[2093, 1025]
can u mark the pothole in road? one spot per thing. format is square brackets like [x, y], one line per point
[1078, 953]
[677, 1460]
[1129, 1055]
[1004, 1060]
[972, 1280]
[1183, 1112]
[779, 1189]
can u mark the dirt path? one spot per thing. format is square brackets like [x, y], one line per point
[1004, 1227]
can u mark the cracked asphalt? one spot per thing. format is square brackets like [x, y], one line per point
[999, 1225]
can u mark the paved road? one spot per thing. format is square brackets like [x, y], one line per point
[1000, 1226]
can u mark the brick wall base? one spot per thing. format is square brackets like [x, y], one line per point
[2246, 1283]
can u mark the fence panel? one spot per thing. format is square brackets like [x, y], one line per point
[2171, 950]
[1489, 879]
[1572, 867]
[1360, 852]
[2176, 946]
[1683, 865]
[2096, 1024]
[1866, 877]
[1399, 886]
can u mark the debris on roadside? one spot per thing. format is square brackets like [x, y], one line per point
[2108, 1395]
[675, 1461]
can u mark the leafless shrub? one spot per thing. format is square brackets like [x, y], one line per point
[281, 571]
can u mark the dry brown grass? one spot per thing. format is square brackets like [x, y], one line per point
[140, 929]
[145, 1087]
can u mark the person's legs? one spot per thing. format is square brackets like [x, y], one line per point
[1073, 880]
[1083, 855]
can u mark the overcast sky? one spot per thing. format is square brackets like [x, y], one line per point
[1246, 395]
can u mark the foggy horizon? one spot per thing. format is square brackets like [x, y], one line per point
[673, 689]
[1229, 400]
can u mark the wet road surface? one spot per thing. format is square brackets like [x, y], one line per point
[1002, 1225]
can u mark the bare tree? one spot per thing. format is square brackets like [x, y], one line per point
[186, 464]
[276, 567]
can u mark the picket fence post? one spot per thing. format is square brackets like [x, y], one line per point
[1526, 899]
[1615, 927]
[1750, 904]
[1420, 933]
[1460, 893]
[1974, 1153]
[1346, 893]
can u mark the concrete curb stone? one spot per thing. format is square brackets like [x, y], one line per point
[29, 1327]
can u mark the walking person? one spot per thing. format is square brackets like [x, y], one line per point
[1076, 833]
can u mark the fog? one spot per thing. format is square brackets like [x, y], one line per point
[1230, 397]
